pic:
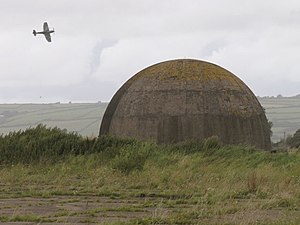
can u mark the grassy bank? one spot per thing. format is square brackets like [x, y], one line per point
[219, 184]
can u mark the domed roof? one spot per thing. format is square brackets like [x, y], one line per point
[185, 99]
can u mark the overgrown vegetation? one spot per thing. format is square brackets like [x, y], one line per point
[50, 145]
[202, 181]
[46, 145]
[294, 141]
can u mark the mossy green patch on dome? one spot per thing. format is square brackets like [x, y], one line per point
[188, 69]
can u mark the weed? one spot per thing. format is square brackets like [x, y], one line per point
[252, 182]
[130, 158]
[26, 218]
[290, 204]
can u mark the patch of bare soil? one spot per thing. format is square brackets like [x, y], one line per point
[79, 210]
[75, 209]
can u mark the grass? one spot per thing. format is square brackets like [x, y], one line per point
[187, 183]
[24, 218]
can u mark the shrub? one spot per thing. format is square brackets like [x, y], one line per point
[47, 145]
[294, 141]
[40, 144]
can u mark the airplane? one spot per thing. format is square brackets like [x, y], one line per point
[45, 32]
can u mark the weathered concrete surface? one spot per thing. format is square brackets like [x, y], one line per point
[187, 99]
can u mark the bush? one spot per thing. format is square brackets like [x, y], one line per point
[294, 141]
[47, 145]
[40, 144]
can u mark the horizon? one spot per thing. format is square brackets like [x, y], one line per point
[104, 102]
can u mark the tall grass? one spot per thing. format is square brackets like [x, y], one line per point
[36, 144]
[50, 145]
[42, 144]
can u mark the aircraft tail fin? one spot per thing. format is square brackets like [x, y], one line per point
[34, 32]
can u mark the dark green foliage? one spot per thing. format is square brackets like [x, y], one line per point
[270, 125]
[36, 144]
[110, 145]
[49, 145]
[208, 146]
[294, 141]
[42, 144]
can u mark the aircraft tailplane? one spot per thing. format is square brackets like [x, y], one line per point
[34, 32]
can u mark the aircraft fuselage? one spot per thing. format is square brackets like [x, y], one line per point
[45, 32]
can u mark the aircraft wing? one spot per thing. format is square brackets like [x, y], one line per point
[48, 37]
[46, 28]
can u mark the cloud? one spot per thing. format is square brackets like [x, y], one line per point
[42, 63]
[263, 59]
[103, 43]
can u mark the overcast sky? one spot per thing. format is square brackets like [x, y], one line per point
[99, 44]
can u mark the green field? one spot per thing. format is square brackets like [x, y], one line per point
[85, 118]
[284, 114]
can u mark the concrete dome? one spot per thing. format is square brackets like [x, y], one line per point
[183, 99]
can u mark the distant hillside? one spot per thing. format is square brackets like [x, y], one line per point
[85, 118]
[284, 112]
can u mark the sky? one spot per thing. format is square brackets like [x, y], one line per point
[99, 44]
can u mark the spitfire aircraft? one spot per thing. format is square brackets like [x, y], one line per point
[45, 32]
